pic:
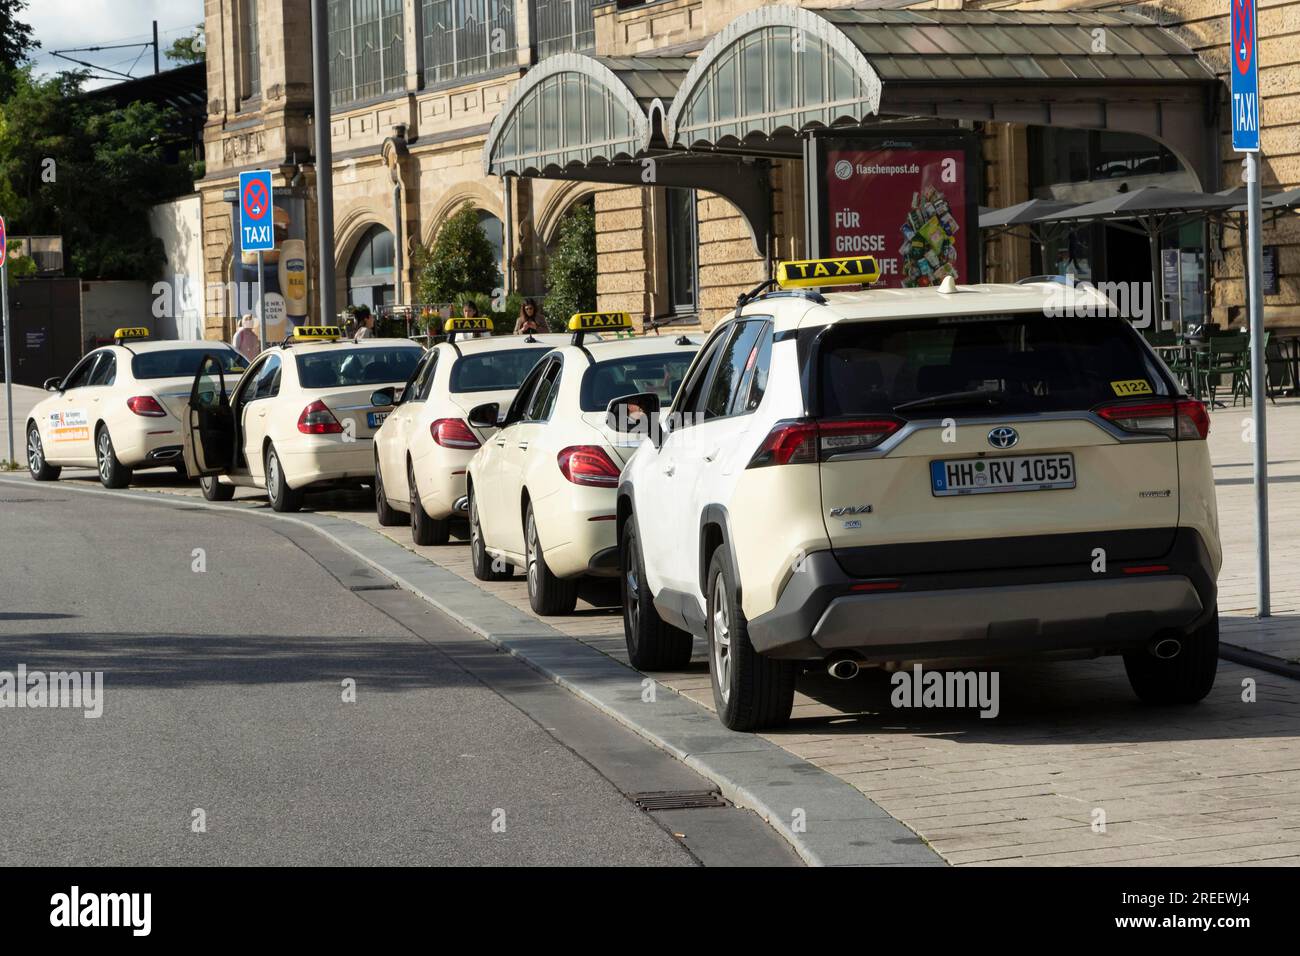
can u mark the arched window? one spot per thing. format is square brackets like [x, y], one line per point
[371, 278]
[496, 235]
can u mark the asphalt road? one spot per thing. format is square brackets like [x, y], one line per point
[224, 693]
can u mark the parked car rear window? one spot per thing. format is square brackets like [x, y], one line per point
[976, 364]
[661, 373]
[339, 368]
[493, 371]
[175, 363]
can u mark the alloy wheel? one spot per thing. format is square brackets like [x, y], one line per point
[721, 639]
[103, 446]
[34, 461]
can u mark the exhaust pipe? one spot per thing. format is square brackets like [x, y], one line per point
[1166, 648]
[462, 505]
[843, 668]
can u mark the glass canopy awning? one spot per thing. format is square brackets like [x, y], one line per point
[712, 121]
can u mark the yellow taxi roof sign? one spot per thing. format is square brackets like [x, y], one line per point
[809, 273]
[317, 333]
[599, 321]
[461, 323]
[136, 333]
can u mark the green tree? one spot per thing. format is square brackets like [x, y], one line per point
[87, 170]
[16, 44]
[460, 262]
[190, 49]
[571, 270]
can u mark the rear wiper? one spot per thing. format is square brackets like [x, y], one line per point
[978, 397]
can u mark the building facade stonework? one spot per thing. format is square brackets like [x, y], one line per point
[418, 83]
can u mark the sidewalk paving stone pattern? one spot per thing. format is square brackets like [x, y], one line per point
[1072, 770]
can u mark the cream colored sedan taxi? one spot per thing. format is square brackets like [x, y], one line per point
[424, 446]
[120, 408]
[542, 490]
[302, 417]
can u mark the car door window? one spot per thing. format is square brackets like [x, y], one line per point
[105, 372]
[543, 397]
[524, 395]
[422, 381]
[268, 380]
[753, 383]
[730, 369]
[692, 390]
[80, 375]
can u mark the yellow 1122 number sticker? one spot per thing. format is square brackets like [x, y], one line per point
[1133, 386]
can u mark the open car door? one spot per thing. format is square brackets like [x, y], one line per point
[208, 427]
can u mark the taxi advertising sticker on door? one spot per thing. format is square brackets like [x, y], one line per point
[69, 425]
[907, 203]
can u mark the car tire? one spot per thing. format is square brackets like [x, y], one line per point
[547, 594]
[1184, 679]
[112, 473]
[214, 490]
[486, 567]
[282, 497]
[425, 530]
[652, 644]
[41, 470]
[751, 692]
[389, 517]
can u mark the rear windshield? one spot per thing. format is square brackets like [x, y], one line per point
[175, 363]
[974, 364]
[337, 368]
[661, 374]
[494, 371]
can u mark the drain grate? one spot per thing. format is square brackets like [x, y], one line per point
[678, 800]
[372, 587]
[28, 501]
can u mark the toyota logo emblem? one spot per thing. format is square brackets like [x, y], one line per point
[1003, 437]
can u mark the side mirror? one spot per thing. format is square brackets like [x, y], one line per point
[485, 415]
[382, 396]
[52, 384]
[632, 413]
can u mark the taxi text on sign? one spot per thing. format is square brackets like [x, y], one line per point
[256, 219]
[1244, 76]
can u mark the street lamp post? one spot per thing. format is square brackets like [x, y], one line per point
[324, 159]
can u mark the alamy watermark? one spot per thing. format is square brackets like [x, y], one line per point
[945, 689]
[71, 690]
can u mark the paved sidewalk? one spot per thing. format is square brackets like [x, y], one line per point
[1232, 453]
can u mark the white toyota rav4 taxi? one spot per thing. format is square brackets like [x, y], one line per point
[878, 477]
[120, 407]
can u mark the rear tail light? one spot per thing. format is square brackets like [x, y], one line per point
[146, 405]
[588, 465]
[317, 419]
[1184, 419]
[453, 433]
[806, 440]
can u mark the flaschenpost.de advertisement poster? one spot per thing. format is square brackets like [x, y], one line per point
[907, 202]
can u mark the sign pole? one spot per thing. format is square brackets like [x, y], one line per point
[261, 299]
[9, 370]
[1246, 123]
[1258, 382]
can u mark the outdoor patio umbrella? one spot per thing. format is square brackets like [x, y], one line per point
[1152, 208]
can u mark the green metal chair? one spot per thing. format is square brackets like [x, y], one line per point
[1227, 355]
[1184, 368]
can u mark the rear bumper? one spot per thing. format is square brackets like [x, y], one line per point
[147, 447]
[321, 458]
[988, 613]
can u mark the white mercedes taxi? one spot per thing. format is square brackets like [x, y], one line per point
[542, 489]
[302, 417]
[423, 448]
[119, 409]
